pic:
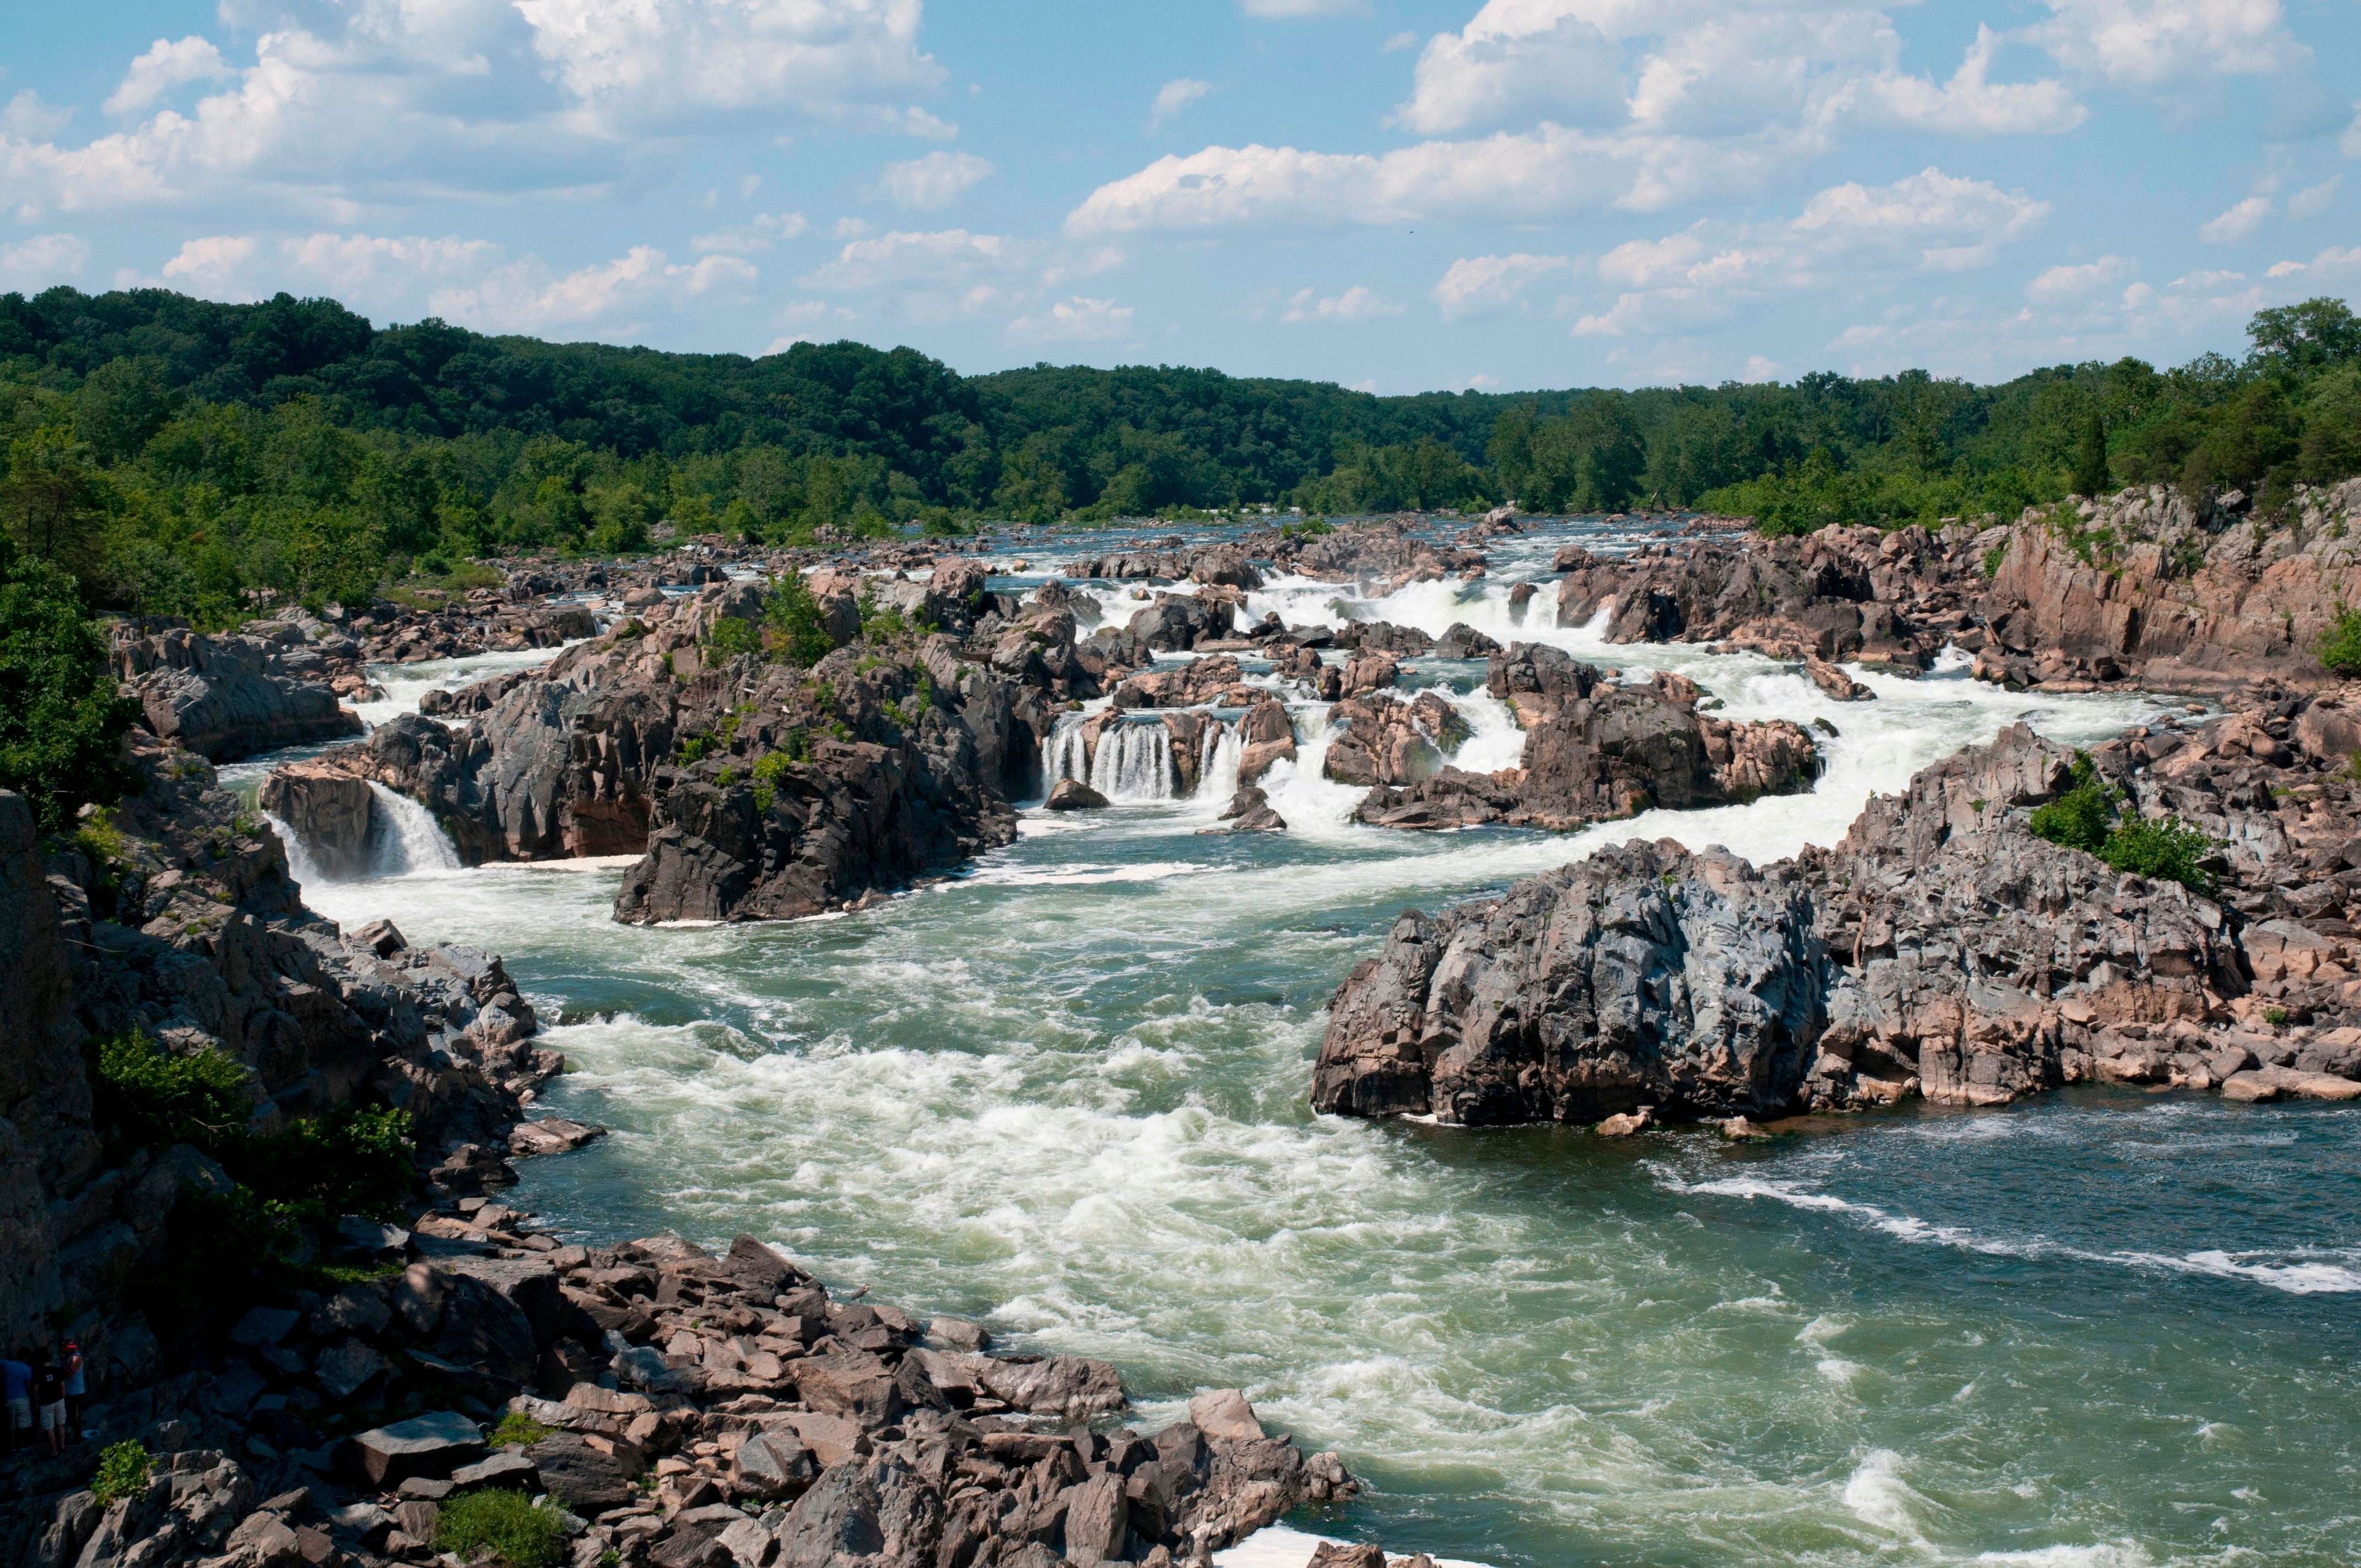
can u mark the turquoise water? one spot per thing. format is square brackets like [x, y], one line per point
[1065, 1093]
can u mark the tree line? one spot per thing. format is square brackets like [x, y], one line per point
[179, 457]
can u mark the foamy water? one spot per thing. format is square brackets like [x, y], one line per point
[1065, 1093]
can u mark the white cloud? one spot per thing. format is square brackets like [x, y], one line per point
[1851, 237]
[359, 263]
[1174, 97]
[2337, 261]
[165, 66]
[2241, 220]
[212, 265]
[902, 258]
[1476, 284]
[2314, 200]
[35, 264]
[1358, 303]
[635, 62]
[2147, 43]
[1399, 42]
[763, 231]
[2071, 282]
[923, 184]
[525, 296]
[1517, 56]
[1076, 319]
[1970, 103]
[26, 116]
[2349, 144]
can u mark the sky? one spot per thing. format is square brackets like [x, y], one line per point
[1392, 194]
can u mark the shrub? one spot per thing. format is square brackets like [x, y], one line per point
[355, 1160]
[519, 1430]
[2339, 648]
[732, 637]
[124, 1471]
[149, 1097]
[879, 625]
[2077, 818]
[2167, 849]
[795, 615]
[519, 1534]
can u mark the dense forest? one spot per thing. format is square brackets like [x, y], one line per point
[183, 457]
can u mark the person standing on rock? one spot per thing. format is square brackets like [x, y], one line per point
[16, 1388]
[76, 1386]
[49, 1401]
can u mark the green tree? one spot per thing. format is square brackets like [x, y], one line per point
[53, 501]
[2090, 457]
[2318, 334]
[61, 721]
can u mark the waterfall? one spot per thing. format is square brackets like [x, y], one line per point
[1134, 762]
[1218, 766]
[405, 836]
[300, 864]
[1064, 754]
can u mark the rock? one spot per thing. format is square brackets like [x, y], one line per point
[1627, 1124]
[1336, 1554]
[506, 1468]
[1250, 811]
[345, 1368]
[1070, 1387]
[1072, 795]
[551, 1134]
[772, 1465]
[263, 1326]
[263, 1540]
[330, 811]
[1098, 1526]
[589, 1475]
[431, 1445]
[1836, 683]
[1546, 1005]
[227, 697]
[1224, 1412]
[1738, 1129]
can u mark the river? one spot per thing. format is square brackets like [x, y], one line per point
[1065, 1093]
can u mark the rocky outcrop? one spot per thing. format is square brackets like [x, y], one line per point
[1643, 976]
[1383, 739]
[2149, 586]
[1596, 748]
[227, 697]
[1941, 950]
[330, 812]
[681, 1405]
[178, 921]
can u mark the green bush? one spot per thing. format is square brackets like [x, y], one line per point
[124, 1471]
[2339, 648]
[2079, 817]
[149, 1097]
[794, 613]
[2167, 849]
[519, 1534]
[62, 722]
[732, 637]
[879, 625]
[355, 1160]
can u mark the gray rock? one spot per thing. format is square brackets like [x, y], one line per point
[345, 1368]
[431, 1445]
[1072, 795]
[772, 1465]
[264, 1325]
[505, 1468]
[588, 1477]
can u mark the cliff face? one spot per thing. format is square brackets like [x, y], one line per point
[227, 697]
[179, 921]
[2147, 587]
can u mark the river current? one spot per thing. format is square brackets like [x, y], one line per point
[1065, 1093]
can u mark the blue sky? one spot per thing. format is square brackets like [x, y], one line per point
[1398, 195]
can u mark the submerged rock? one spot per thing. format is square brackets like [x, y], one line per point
[1074, 794]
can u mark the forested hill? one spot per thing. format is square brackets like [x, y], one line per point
[180, 456]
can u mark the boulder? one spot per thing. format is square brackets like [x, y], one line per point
[587, 1473]
[431, 1445]
[1074, 794]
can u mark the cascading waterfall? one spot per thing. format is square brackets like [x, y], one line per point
[406, 838]
[299, 863]
[1134, 762]
[1064, 755]
[1217, 764]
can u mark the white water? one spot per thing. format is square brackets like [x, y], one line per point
[1134, 762]
[406, 838]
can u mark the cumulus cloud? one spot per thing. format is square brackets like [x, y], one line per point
[2072, 283]
[1174, 97]
[2147, 43]
[629, 63]
[212, 263]
[1850, 237]
[26, 116]
[764, 230]
[1477, 284]
[1970, 103]
[933, 273]
[923, 184]
[31, 265]
[1076, 319]
[2242, 219]
[526, 296]
[362, 264]
[165, 66]
[2336, 262]
[1358, 303]
[2314, 200]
